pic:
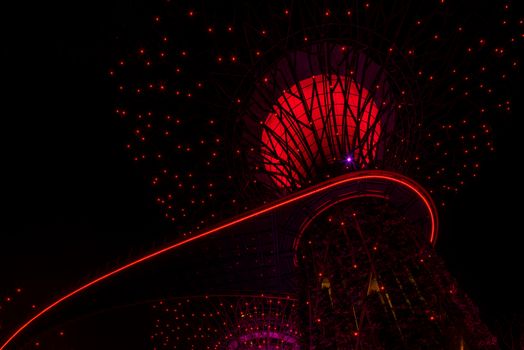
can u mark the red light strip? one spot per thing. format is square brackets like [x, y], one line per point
[354, 177]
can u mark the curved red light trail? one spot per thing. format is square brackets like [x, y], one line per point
[353, 177]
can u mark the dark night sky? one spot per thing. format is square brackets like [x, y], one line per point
[73, 201]
[74, 204]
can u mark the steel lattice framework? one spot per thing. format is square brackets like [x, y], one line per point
[372, 282]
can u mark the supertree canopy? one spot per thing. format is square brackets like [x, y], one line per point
[280, 96]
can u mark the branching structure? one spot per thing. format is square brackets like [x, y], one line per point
[324, 109]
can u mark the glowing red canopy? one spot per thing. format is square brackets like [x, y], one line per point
[315, 122]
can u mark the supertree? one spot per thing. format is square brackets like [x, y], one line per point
[316, 92]
[316, 117]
